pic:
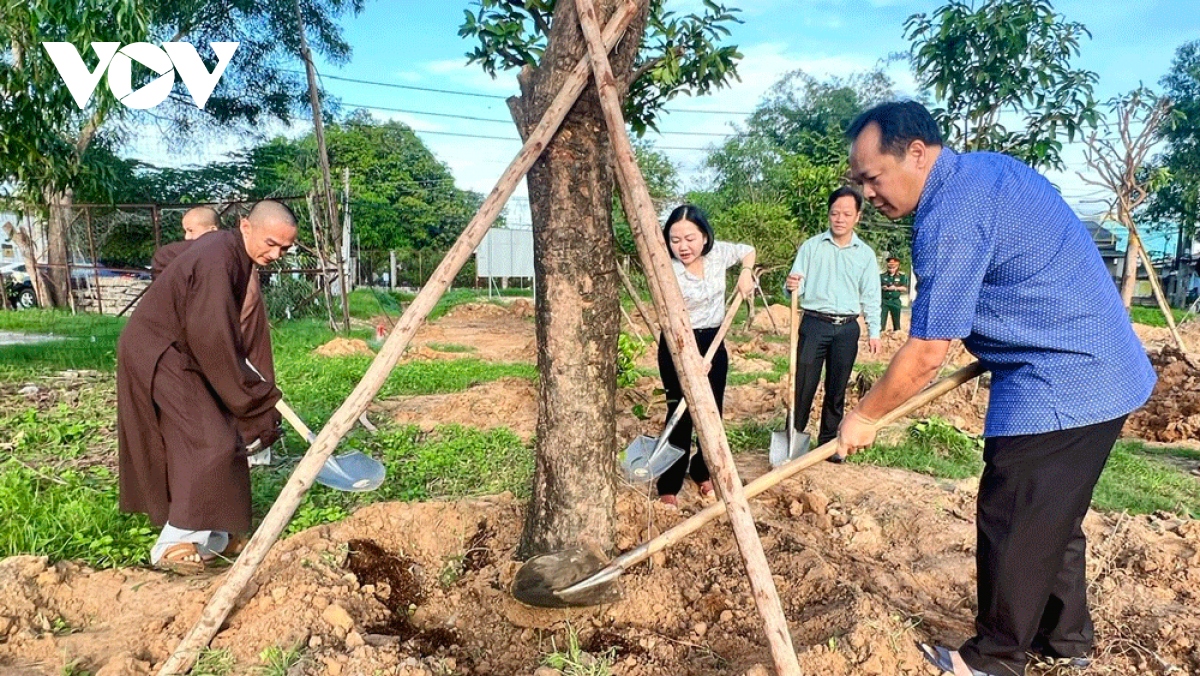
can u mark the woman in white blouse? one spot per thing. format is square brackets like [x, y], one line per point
[700, 262]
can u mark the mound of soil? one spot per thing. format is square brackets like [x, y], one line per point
[489, 332]
[507, 402]
[1173, 412]
[345, 347]
[867, 561]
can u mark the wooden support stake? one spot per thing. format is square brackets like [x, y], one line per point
[668, 301]
[343, 419]
[637, 300]
[1136, 240]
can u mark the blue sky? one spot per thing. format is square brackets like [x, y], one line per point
[407, 42]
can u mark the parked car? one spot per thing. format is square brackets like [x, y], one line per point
[20, 287]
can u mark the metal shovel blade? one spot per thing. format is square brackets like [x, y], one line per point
[353, 472]
[539, 580]
[787, 446]
[640, 463]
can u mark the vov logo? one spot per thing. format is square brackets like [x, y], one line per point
[118, 62]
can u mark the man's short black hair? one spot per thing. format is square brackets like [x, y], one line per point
[900, 123]
[843, 192]
[892, 258]
[693, 213]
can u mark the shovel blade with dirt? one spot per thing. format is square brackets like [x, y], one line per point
[578, 577]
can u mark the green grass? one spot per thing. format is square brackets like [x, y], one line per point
[1152, 316]
[450, 462]
[276, 661]
[932, 447]
[571, 659]
[85, 341]
[452, 348]
[1136, 479]
[69, 514]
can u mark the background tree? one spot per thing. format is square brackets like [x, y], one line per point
[1116, 155]
[1178, 199]
[51, 134]
[770, 181]
[1001, 73]
[570, 191]
[403, 196]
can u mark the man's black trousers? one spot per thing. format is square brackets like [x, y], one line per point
[1032, 586]
[834, 347]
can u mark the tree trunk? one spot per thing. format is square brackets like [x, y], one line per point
[578, 312]
[57, 253]
[1129, 281]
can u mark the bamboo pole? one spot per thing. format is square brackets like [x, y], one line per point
[239, 575]
[1136, 240]
[681, 342]
[324, 277]
[314, 100]
[637, 300]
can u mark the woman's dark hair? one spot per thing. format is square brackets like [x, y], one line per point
[900, 123]
[846, 191]
[693, 213]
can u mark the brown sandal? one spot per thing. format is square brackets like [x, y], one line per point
[182, 558]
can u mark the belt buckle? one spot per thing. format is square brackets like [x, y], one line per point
[838, 321]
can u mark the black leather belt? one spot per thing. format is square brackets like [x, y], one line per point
[836, 320]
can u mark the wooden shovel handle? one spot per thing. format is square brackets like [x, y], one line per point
[708, 357]
[725, 324]
[793, 345]
[770, 479]
[295, 421]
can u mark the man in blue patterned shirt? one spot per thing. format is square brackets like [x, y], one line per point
[1004, 264]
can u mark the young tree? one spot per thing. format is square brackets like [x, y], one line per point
[570, 191]
[998, 64]
[49, 132]
[1116, 154]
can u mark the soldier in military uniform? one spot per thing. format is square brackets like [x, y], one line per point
[893, 283]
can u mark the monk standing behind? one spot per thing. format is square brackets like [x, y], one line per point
[184, 391]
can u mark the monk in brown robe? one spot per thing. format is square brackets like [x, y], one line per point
[256, 329]
[187, 403]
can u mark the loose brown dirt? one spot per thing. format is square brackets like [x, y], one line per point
[867, 561]
[345, 347]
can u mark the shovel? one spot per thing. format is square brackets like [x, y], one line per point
[354, 472]
[561, 579]
[787, 445]
[647, 458]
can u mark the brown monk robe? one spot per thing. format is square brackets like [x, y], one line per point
[183, 388]
[256, 329]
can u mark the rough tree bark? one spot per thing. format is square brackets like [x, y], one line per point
[57, 227]
[578, 316]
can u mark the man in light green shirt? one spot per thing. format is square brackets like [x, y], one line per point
[837, 277]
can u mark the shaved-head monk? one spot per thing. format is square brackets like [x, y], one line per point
[187, 403]
[200, 221]
[256, 329]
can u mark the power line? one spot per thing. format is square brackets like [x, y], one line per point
[507, 122]
[480, 95]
